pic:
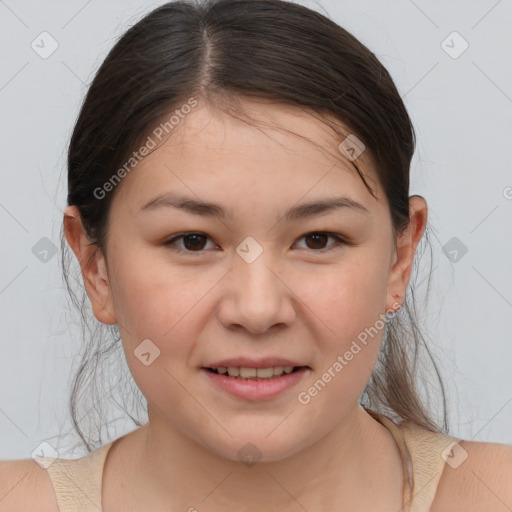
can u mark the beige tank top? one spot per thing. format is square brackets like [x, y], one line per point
[77, 482]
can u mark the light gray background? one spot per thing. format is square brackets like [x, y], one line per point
[462, 111]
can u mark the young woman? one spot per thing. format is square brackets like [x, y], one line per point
[238, 203]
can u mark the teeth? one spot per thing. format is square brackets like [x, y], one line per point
[233, 371]
[249, 373]
[278, 370]
[263, 373]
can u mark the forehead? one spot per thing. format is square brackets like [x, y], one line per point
[280, 153]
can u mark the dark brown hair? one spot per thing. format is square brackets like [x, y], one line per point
[220, 51]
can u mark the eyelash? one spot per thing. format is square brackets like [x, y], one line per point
[339, 241]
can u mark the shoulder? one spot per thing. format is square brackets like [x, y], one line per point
[482, 481]
[25, 485]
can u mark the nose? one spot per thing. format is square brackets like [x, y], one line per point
[255, 297]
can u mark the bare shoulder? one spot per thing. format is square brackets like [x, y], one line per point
[25, 485]
[482, 482]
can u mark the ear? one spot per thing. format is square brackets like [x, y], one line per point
[405, 250]
[93, 266]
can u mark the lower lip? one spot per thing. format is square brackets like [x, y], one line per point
[253, 389]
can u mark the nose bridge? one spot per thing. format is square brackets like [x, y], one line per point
[257, 281]
[259, 297]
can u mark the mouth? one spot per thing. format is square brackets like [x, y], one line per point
[255, 378]
[255, 374]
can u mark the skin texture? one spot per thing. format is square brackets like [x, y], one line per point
[293, 301]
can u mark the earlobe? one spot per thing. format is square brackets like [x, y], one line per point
[92, 265]
[405, 251]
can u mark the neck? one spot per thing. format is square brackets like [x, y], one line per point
[357, 455]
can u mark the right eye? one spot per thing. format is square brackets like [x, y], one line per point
[192, 242]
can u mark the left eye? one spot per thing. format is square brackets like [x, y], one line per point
[320, 237]
[194, 244]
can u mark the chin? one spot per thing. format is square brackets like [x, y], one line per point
[252, 449]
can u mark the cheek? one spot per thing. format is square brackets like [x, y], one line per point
[349, 321]
[345, 300]
[156, 300]
[159, 303]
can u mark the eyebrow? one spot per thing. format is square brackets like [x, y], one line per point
[208, 209]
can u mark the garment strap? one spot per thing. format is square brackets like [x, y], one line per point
[77, 483]
[421, 452]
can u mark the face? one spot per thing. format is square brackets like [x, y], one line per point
[253, 282]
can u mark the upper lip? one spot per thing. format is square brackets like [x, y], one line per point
[249, 362]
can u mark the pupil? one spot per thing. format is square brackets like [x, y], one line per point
[188, 237]
[316, 236]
